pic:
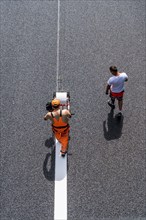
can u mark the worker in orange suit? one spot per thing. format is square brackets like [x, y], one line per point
[60, 125]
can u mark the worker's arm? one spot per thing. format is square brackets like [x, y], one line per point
[47, 116]
[126, 77]
[67, 112]
[107, 89]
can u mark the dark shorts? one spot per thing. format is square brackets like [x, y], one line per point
[118, 96]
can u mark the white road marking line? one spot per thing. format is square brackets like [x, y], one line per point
[60, 202]
[60, 198]
[58, 36]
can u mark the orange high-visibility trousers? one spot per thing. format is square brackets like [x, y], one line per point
[63, 138]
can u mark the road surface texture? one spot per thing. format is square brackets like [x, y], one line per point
[106, 161]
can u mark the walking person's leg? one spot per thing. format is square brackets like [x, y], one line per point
[111, 102]
[63, 139]
[64, 143]
[120, 105]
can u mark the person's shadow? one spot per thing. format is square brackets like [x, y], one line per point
[113, 129]
[49, 173]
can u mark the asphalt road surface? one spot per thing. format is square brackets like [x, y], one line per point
[106, 161]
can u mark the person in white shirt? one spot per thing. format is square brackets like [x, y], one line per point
[115, 85]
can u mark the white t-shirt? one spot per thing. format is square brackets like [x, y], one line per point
[117, 82]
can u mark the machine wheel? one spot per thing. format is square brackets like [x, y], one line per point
[54, 95]
[68, 95]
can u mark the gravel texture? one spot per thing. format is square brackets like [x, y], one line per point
[106, 161]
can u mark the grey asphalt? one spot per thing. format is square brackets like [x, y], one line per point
[106, 161]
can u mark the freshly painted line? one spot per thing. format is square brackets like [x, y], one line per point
[58, 33]
[60, 202]
[60, 198]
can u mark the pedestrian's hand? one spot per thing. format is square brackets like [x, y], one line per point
[106, 93]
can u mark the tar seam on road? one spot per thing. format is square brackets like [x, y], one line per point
[58, 36]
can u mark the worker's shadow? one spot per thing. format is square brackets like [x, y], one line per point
[113, 128]
[49, 162]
